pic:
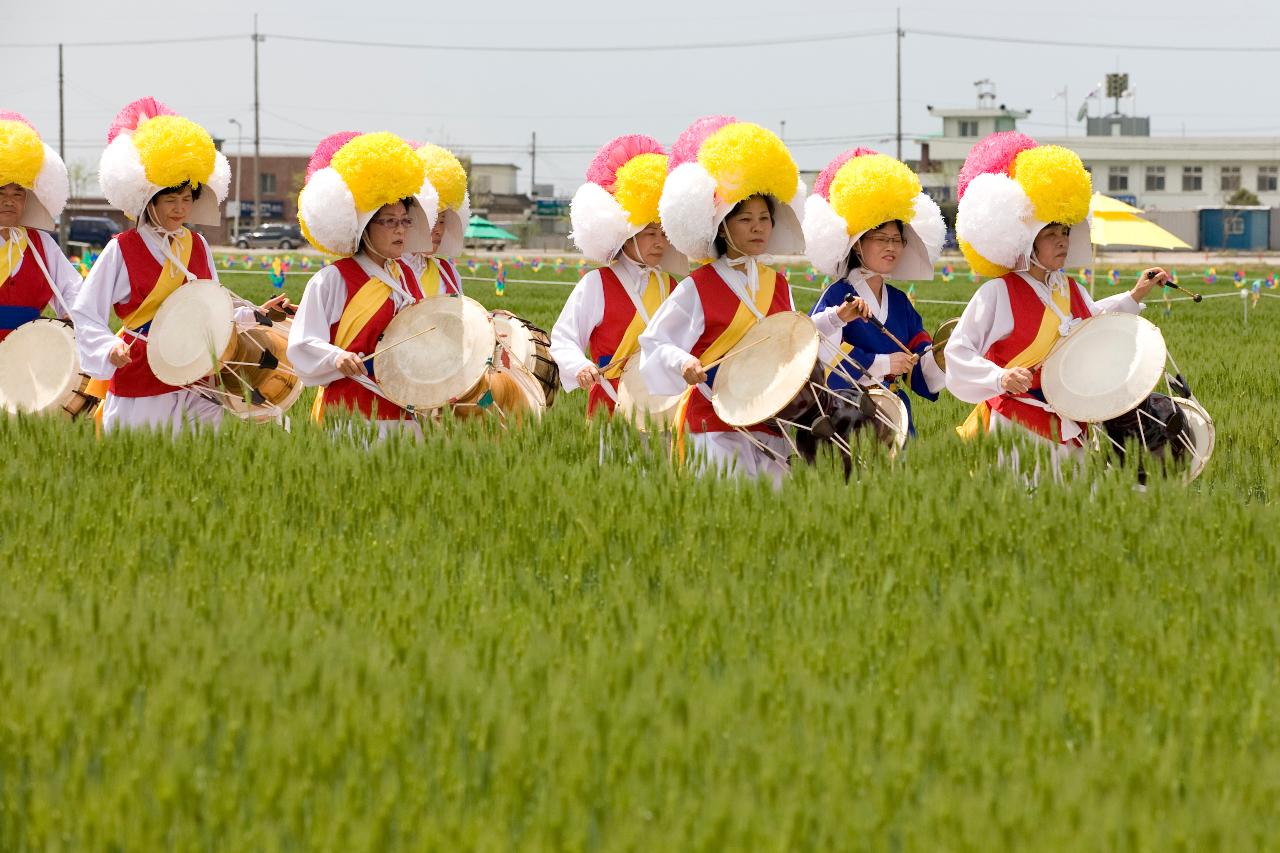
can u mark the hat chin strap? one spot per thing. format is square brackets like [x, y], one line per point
[750, 263]
[1055, 279]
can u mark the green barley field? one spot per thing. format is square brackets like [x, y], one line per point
[551, 639]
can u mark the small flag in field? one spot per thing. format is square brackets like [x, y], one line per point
[1238, 278]
[948, 272]
[277, 273]
[1086, 275]
[1114, 275]
[1210, 275]
[911, 293]
[500, 282]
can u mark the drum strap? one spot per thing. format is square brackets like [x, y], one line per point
[979, 420]
[654, 293]
[362, 308]
[743, 319]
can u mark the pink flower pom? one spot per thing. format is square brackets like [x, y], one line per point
[992, 154]
[822, 186]
[614, 155]
[5, 115]
[687, 144]
[134, 114]
[326, 149]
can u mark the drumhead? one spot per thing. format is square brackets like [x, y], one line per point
[191, 332]
[643, 408]
[940, 339]
[1203, 434]
[889, 407]
[758, 384]
[441, 365]
[1104, 368]
[530, 386]
[513, 333]
[39, 367]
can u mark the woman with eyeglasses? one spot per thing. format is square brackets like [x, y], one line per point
[848, 239]
[347, 305]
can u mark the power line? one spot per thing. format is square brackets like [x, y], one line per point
[125, 43]
[1158, 48]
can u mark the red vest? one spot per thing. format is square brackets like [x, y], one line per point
[347, 393]
[605, 338]
[25, 291]
[1028, 313]
[135, 379]
[450, 278]
[719, 304]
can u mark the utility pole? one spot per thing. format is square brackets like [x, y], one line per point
[533, 165]
[257, 138]
[64, 219]
[898, 35]
[782, 130]
[235, 223]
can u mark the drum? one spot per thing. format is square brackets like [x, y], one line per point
[940, 339]
[1172, 429]
[194, 343]
[641, 407]
[530, 347]
[40, 371]
[769, 373]
[443, 351]
[892, 420]
[1198, 434]
[1105, 367]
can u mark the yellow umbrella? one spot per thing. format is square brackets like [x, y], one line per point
[1118, 224]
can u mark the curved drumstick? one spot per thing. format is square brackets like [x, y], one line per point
[1195, 297]
[888, 334]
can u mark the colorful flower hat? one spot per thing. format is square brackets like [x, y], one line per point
[446, 174]
[717, 162]
[350, 177]
[27, 161]
[1010, 188]
[149, 148]
[620, 199]
[859, 191]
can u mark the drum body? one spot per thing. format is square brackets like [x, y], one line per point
[772, 375]
[642, 408]
[1105, 367]
[258, 374]
[892, 420]
[40, 371]
[440, 367]
[940, 338]
[1175, 431]
[530, 347]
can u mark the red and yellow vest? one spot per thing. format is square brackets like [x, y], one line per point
[25, 294]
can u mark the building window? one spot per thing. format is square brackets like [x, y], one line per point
[1230, 178]
[1118, 179]
[267, 182]
[1268, 179]
[1192, 179]
[968, 128]
[1155, 179]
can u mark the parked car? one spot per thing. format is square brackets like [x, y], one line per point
[272, 235]
[95, 231]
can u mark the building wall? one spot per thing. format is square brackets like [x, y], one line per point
[495, 178]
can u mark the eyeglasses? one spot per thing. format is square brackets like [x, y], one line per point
[392, 223]
[886, 241]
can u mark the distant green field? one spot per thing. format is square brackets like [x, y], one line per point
[552, 639]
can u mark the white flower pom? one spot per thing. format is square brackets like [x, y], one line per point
[123, 177]
[688, 210]
[52, 187]
[826, 237]
[600, 225]
[328, 209]
[929, 226]
[996, 218]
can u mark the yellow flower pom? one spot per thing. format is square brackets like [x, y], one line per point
[637, 186]
[1056, 182]
[873, 189]
[21, 154]
[979, 264]
[746, 160]
[174, 150]
[379, 168]
[446, 174]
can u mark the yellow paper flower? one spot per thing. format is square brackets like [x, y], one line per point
[746, 160]
[1056, 182]
[446, 174]
[379, 168]
[174, 150]
[21, 154]
[873, 189]
[637, 187]
[979, 264]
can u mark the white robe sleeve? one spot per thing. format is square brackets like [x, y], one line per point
[66, 279]
[934, 377]
[987, 318]
[310, 350]
[671, 333]
[106, 286]
[582, 312]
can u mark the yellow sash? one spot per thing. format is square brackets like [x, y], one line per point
[431, 278]
[367, 302]
[169, 280]
[743, 319]
[654, 293]
[12, 254]
[979, 420]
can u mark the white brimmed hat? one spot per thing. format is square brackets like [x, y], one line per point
[446, 174]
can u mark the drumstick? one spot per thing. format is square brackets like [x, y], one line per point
[615, 363]
[1195, 297]
[389, 347]
[888, 334]
[736, 352]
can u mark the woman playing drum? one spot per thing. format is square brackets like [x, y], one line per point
[347, 305]
[162, 171]
[34, 273]
[1023, 217]
[615, 223]
[848, 238]
[731, 195]
[437, 272]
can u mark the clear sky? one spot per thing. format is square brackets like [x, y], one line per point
[831, 94]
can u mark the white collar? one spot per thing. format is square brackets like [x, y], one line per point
[879, 307]
[739, 281]
[378, 271]
[1044, 293]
